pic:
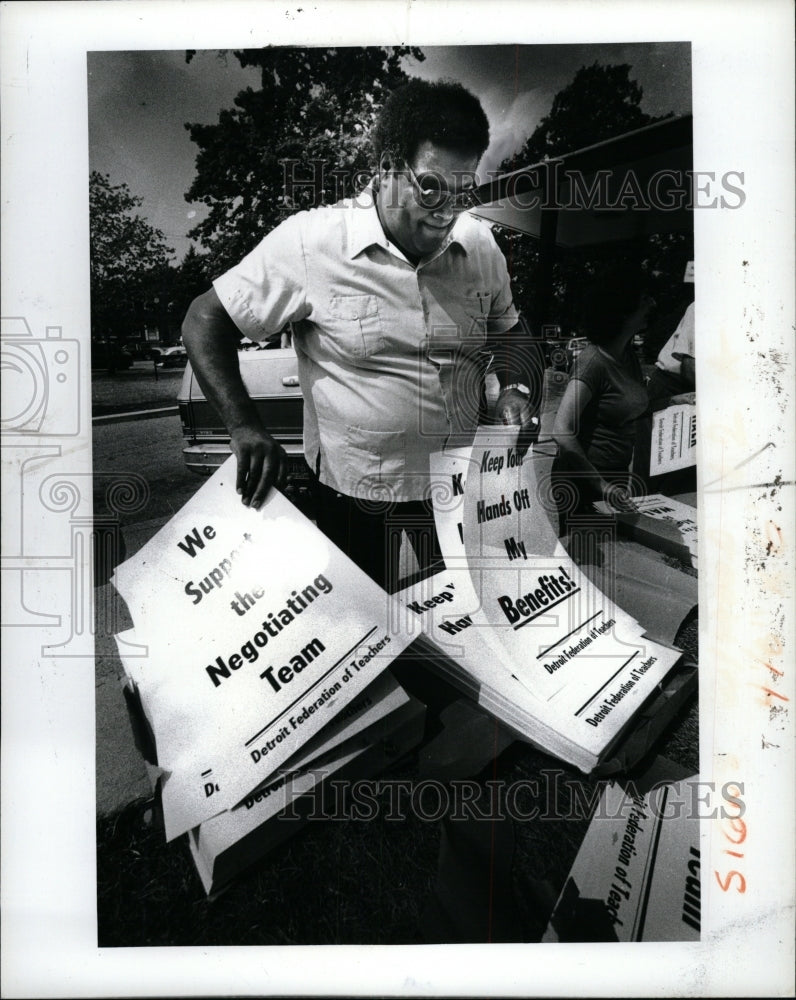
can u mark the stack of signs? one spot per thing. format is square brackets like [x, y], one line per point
[225, 844]
[673, 444]
[637, 874]
[258, 650]
[515, 623]
[663, 524]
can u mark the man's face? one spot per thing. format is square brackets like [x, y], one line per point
[415, 227]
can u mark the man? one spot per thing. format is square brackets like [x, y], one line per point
[397, 301]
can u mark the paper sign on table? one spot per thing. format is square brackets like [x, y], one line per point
[553, 622]
[530, 637]
[267, 630]
[449, 470]
[638, 872]
[673, 444]
[184, 807]
[579, 720]
[227, 843]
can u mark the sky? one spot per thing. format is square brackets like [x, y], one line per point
[139, 102]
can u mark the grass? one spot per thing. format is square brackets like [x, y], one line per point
[333, 882]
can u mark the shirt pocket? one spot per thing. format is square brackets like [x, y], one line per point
[374, 463]
[355, 325]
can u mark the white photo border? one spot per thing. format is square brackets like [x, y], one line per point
[743, 86]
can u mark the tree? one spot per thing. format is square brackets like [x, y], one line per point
[190, 278]
[601, 102]
[126, 251]
[299, 140]
[168, 291]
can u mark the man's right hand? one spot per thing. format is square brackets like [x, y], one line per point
[211, 339]
[262, 463]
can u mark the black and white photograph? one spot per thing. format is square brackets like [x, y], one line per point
[399, 471]
[382, 137]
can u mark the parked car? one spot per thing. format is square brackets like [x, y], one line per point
[138, 348]
[110, 355]
[168, 357]
[271, 378]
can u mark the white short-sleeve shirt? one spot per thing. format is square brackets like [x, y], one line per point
[391, 357]
[681, 342]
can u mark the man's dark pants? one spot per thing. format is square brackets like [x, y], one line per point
[473, 898]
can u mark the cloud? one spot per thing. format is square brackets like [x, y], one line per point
[512, 124]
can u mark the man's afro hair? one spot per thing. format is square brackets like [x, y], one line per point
[442, 112]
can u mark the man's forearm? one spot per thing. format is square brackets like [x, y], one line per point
[518, 358]
[210, 338]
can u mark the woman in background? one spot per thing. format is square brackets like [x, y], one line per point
[595, 426]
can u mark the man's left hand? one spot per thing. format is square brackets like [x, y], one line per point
[514, 407]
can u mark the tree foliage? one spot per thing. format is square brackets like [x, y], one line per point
[189, 279]
[169, 290]
[600, 103]
[308, 122]
[126, 252]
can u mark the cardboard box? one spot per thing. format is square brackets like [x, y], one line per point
[637, 874]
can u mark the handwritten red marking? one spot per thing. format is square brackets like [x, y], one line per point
[738, 826]
[725, 885]
[735, 829]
